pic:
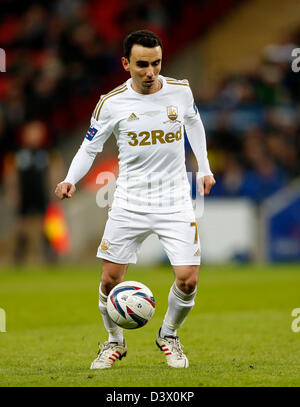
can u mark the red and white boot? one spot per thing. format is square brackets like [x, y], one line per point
[108, 353]
[173, 352]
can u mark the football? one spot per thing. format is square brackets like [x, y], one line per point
[131, 304]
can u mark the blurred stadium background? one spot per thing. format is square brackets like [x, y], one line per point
[237, 54]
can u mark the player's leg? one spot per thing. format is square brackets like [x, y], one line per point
[112, 274]
[115, 347]
[179, 236]
[181, 298]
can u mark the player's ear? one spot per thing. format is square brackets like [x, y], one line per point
[125, 63]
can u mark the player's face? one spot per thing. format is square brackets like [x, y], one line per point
[144, 67]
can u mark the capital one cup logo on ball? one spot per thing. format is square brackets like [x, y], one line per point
[131, 304]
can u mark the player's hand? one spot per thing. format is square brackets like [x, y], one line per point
[205, 184]
[65, 190]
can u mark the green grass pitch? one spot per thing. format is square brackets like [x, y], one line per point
[238, 334]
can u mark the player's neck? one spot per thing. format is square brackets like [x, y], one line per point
[157, 86]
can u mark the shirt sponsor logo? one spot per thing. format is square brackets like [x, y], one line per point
[91, 133]
[147, 138]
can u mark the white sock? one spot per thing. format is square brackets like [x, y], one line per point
[115, 333]
[180, 304]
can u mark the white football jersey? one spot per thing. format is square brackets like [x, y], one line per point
[150, 136]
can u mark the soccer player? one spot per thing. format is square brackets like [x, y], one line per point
[146, 114]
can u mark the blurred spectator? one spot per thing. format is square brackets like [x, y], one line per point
[29, 177]
[263, 180]
[230, 180]
[223, 137]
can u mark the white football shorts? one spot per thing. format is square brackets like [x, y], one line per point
[126, 230]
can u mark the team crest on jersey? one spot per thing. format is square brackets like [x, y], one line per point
[172, 112]
[104, 245]
[91, 133]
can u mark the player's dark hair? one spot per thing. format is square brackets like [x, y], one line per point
[145, 38]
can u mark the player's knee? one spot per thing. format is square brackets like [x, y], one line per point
[188, 284]
[112, 274]
[109, 282]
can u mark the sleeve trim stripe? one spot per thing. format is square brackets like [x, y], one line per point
[170, 79]
[177, 83]
[95, 113]
[105, 97]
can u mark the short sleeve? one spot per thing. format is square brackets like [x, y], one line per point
[101, 127]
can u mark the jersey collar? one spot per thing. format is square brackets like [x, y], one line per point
[159, 92]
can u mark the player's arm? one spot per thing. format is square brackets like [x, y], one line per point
[79, 167]
[196, 136]
[97, 134]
